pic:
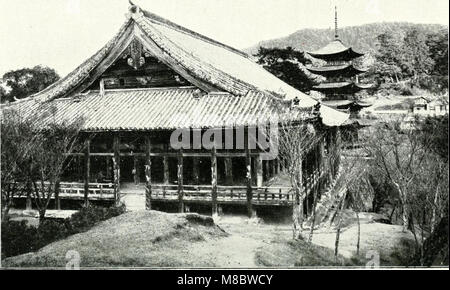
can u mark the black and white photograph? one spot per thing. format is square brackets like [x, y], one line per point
[224, 135]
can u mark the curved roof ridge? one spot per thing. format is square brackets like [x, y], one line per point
[154, 17]
[155, 34]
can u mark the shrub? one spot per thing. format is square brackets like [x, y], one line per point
[49, 231]
[18, 237]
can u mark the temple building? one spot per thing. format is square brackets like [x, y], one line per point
[155, 77]
[341, 75]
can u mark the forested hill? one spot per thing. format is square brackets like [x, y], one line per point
[361, 38]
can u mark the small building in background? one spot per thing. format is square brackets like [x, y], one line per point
[430, 107]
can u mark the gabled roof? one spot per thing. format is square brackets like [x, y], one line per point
[207, 64]
[335, 50]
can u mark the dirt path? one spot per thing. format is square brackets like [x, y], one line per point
[230, 252]
[239, 248]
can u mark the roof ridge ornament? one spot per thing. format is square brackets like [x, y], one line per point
[134, 11]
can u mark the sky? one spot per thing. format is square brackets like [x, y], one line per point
[63, 33]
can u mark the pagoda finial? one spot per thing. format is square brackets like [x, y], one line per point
[335, 23]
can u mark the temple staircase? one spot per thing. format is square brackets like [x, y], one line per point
[329, 204]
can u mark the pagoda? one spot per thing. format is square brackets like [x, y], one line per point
[341, 75]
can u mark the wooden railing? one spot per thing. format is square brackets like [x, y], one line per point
[225, 194]
[75, 190]
[265, 195]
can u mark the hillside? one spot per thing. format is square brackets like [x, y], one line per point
[362, 38]
[157, 239]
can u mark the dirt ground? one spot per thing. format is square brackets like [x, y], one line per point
[156, 239]
[246, 237]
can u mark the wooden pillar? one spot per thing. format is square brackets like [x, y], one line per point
[214, 181]
[116, 164]
[108, 168]
[87, 169]
[272, 167]
[180, 181]
[248, 164]
[148, 173]
[259, 171]
[195, 173]
[228, 170]
[135, 169]
[28, 202]
[267, 170]
[253, 172]
[166, 169]
[57, 199]
[80, 175]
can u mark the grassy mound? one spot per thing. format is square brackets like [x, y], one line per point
[134, 239]
[298, 253]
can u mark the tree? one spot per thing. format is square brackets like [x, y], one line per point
[434, 132]
[438, 47]
[388, 57]
[429, 204]
[288, 65]
[416, 60]
[2, 92]
[397, 154]
[295, 140]
[27, 81]
[37, 150]
[16, 146]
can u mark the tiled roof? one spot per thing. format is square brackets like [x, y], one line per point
[153, 109]
[204, 59]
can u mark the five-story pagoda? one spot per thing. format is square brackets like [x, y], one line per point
[341, 75]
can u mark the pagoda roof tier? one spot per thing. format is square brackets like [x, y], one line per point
[341, 87]
[346, 70]
[346, 104]
[335, 51]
